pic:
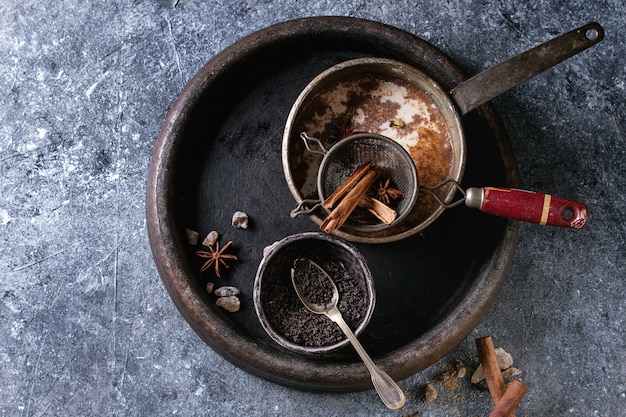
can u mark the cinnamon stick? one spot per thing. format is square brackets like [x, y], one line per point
[493, 375]
[348, 183]
[383, 212]
[510, 400]
[340, 214]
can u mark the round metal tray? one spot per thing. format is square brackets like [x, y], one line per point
[219, 151]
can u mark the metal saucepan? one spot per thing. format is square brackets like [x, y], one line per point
[393, 99]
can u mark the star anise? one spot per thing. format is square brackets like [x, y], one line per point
[216, 257]
[348, 130]
[385, 193]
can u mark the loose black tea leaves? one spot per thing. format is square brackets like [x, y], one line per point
[312, 283]
[290, 318]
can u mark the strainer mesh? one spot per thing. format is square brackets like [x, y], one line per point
[391, 159]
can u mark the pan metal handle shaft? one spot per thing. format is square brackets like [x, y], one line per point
[496, 80]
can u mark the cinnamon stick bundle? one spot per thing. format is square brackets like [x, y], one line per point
[504, 399]
[342, 211]
[349, 182]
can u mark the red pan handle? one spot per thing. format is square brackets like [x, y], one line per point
[528, 206]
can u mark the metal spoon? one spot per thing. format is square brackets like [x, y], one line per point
[388, 391]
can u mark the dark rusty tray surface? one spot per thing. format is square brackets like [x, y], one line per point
[219, 152]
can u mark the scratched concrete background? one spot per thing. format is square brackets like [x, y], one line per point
[87, 328]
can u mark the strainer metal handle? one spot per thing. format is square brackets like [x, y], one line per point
[431, 191]
[305, 207]
[307, 139]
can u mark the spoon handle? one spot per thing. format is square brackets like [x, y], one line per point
[387, 389]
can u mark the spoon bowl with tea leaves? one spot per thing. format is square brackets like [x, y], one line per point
[319, 294]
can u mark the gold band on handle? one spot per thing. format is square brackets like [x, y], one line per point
[546, 209]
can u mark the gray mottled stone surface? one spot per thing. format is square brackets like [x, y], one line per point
[86, 326]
